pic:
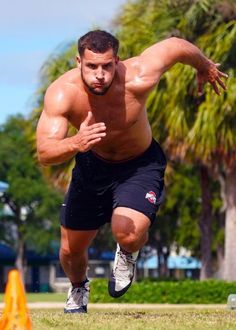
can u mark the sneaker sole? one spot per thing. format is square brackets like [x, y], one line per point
[82, 309]
[111, 288]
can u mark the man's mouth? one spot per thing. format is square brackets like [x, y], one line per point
[98, 85]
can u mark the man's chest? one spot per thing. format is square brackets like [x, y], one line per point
[118, 113]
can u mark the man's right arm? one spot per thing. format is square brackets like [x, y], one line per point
[53, 145]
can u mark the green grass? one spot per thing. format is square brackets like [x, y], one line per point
[42, 297]
[135, 319]
[164, 318]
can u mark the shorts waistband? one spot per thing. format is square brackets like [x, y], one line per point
[153, 149]
[123, 161]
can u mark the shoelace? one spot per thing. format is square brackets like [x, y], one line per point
[127, 257]
[125, 263]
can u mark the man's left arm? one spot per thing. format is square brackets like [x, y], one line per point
[157, 59]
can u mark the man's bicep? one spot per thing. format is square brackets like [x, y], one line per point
[51, 127]
[161, 56]
[53, 123]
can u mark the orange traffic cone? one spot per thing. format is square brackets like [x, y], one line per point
[15, 314]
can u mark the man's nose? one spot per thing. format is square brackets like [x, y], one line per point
[100, 74]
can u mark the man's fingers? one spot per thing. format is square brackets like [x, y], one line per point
[215, 87]
[199, 87]
[222, 74]
[213, 76]
[97, 126]
[96, 136]
[93, 142]
[88, 118]
[221, 83]
[97, 130]
[89, 135]
[86, 127]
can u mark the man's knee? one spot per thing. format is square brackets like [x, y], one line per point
[66, 251]
[131, 242]
[130, 228]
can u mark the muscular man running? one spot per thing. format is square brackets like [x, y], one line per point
[119, 172]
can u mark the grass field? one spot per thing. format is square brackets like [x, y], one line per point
[175, 317]
[48, 297]
[135, 319]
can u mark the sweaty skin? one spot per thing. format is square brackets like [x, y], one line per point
[104, 99]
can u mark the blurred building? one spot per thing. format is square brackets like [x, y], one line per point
[44, 273]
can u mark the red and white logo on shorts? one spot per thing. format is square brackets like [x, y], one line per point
[151, 197]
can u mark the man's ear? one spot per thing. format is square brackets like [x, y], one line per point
[78, 60]
[117, 59]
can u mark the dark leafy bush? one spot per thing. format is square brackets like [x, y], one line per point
[171, 292]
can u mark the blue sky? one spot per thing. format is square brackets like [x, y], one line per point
[30, 30]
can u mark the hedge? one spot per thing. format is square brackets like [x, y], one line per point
[172, 292]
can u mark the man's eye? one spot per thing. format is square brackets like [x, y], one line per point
[92, 66]
[107, 66]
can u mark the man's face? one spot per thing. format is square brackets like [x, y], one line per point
[98, 70]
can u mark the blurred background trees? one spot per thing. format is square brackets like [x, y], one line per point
[29, 218]
[196, 132]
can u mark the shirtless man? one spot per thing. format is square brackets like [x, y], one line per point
[119, 172]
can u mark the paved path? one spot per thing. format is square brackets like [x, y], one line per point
[47, 305]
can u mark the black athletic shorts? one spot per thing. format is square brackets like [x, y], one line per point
[99, 186]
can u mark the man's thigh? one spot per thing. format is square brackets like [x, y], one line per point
[84, 209]
[140, 184]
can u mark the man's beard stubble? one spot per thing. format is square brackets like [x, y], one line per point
[92, 90]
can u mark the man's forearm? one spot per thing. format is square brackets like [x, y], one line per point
[190, 54]
[54, 152]
[207, 71]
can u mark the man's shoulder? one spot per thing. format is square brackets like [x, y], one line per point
[69, 78]
[65, 85]
[62, 91]
[135, 76]
[129, 69]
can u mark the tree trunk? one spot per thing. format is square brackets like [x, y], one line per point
[220, 261]
[220, 247]
[230, 227]
[20, 254]
[205, 224]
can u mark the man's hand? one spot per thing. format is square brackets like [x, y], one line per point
[89, 134]
[212, 75]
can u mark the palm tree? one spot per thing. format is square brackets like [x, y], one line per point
[212, 137]
[186, 125]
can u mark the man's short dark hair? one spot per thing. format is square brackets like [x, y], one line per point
[98, 42]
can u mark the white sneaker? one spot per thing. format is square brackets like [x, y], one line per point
[77, 299]
[122, 273]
